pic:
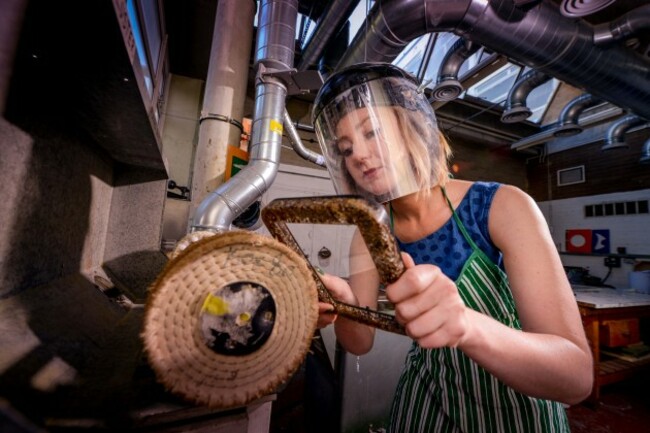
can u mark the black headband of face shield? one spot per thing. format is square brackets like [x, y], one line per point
[382, 92]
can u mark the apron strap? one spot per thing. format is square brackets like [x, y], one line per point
[466, 235]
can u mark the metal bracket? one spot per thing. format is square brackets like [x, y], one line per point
[297, 83]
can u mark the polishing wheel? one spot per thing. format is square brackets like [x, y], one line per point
[230, 319]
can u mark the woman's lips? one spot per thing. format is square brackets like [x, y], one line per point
[371, 173]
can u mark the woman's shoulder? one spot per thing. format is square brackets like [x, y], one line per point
[476, 193]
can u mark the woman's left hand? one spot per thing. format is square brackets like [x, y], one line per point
[428, 305]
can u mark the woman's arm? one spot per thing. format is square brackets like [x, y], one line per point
[550, 358]
[361, 291]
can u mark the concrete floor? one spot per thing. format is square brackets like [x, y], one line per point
[623, 408]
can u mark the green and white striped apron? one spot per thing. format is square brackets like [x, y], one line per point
[443, 390]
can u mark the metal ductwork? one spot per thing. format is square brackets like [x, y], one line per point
[298, 145]
[447, 86]
[580, 8]
[615, 137]
[521, 3]
[645, 153]
[624, 27]
[539, 37]
[274, 55]
[515, 109]
[330, 22]
[567, 123]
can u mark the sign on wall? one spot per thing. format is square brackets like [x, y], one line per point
[587, 241]
[236, 159]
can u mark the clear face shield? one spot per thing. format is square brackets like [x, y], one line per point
[380, 140]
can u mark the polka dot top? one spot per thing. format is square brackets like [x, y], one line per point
[446, 247]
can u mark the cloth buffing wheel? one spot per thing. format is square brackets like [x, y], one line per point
[230, 319]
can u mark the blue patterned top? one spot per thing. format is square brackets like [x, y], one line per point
[446, 247]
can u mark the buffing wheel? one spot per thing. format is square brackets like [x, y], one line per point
[230, 319]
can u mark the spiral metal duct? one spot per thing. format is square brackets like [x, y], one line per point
[447, 86]
[274, 52]
[515, 109]
[539, 37]
[582, 8]
[615, 137]
[623, 27]
[568, 119]
[645, 153]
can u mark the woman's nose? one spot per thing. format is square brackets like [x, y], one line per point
[361, 151]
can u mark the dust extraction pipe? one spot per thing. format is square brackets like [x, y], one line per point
[645, 153]
[568, 119]
[539, 37]
[615, 137]
[623, 27]
[447, 86]
[515, 109]
[336, 14]
[274, 52]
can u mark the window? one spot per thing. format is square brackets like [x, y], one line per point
[617, 208]
[493, 89]
[147, 31]
[570, 176]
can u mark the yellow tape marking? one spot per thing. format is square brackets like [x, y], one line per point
[276, 126]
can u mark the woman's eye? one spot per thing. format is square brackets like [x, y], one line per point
[371, 134]
[346, 152]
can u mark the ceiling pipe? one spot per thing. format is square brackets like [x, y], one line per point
[578, 9]
[624, 27]
[524, 2]
[298, 145]
[330, 22]
[447, 86]
[592, 122]
[539, 37]
[615, 137]
[645, 152]
[515, 109]
[274, 55]
[567, 123]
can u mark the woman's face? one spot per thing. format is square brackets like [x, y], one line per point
[372, 148]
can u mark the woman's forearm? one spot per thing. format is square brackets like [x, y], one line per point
[354, 337]
[540, 365]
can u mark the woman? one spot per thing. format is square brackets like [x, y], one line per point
[498, 340]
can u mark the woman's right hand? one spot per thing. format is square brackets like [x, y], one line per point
[341, 291]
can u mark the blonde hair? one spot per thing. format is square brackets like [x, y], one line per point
[418, 132]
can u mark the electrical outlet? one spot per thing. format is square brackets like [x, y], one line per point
[613, 262]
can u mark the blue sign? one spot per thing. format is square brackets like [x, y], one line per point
[600, 241]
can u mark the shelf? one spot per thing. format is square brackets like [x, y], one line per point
[622, 256]
[612, 370]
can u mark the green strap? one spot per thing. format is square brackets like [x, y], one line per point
[466, 235]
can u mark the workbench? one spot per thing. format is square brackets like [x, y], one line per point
[597, 304]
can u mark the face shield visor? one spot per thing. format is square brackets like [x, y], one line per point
[380, 140]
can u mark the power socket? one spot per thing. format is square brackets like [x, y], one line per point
[612, 262]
